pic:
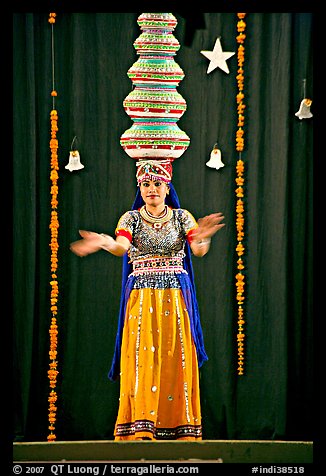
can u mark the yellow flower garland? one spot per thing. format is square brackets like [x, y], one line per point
[240, 249]
[54, 226]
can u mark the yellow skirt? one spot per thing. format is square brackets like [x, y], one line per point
[159, 380]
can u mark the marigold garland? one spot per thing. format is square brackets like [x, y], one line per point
[240, 170]
[54, 226]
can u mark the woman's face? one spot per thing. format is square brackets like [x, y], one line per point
[153, 192]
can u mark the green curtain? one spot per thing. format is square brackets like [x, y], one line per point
[93, 52]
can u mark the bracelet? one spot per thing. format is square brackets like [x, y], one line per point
[203, 242]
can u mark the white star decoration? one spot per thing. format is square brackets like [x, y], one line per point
[217, 57]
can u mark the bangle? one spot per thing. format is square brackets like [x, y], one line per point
[203, 242]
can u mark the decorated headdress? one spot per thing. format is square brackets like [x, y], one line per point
[153, 170]
[154, 104]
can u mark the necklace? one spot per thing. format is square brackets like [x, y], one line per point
[157, 222]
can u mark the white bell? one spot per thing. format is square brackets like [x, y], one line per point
[304, 109]
[74, 161]
[215, 161]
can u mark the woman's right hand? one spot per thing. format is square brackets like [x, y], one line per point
[90, 243]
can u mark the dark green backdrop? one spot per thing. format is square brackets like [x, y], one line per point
[93, 52]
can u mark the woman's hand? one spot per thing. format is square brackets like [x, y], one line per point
[90, 243]
[208, 226]
[201, 236]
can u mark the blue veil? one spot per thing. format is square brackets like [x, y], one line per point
[188, 288]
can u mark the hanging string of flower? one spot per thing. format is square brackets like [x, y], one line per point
[54, 226]
[240, 208]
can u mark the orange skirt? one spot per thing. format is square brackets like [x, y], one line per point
[159, 379]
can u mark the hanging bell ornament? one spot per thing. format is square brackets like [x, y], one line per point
[304, 109]
[215, 161]
[74, 161]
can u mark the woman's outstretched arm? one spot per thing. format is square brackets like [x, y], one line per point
[92, 242]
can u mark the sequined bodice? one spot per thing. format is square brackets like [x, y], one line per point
[166, 241]
[157, 254]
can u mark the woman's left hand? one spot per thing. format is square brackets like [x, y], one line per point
[208, 226]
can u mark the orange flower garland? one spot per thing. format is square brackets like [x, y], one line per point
[54, 226]
[240, 249]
